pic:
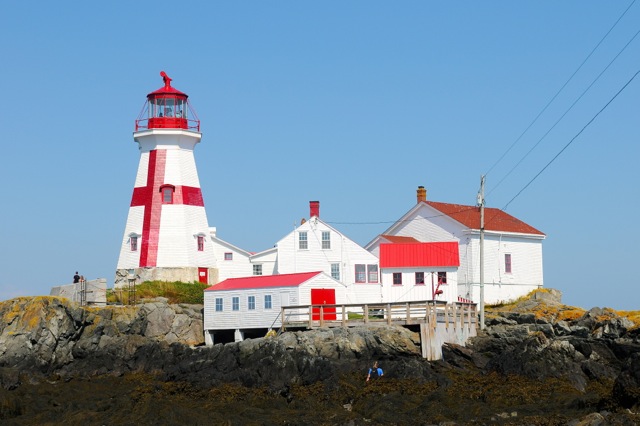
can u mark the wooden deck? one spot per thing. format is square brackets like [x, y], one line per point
[439, 322]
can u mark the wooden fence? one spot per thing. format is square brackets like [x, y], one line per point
[439, 322]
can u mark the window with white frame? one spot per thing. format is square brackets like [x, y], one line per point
[218, 304]
[200, 243]
[419, 278]
[335, 271]
[228, 256]
[235, 303]
[442, 277]
[361, 273]
[251, 303]
[267, 301]
[133, 240]
[326, 240]
[372, 273]
[257, 269]
[397, 278]
[507, 263]
[303, 243]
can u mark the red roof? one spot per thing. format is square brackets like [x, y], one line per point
[264, 281]
[494, 219]
[397, 239]
[167, 89]
[419, 254]
[170, 90]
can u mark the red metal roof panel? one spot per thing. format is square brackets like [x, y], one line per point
[263, 281]
[419, 255]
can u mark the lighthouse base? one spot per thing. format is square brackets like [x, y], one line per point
[126, 277]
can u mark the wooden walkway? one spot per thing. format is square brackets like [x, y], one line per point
[439, 322]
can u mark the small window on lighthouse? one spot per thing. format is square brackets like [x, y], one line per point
[134, 243]
[167, 193]
[200, 243]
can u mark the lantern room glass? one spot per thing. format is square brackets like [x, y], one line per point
[168, 106]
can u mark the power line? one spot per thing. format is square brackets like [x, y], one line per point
[560, 90]
[400, 221]
[573, 138]
[566, 112]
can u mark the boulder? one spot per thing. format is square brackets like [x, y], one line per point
[626, 390]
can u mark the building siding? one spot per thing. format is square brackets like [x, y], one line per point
[131, 259]
[291, 259]
[239, 266]
[261, 317]
[269, 261]
[178, 248]
[409, 290]
[527, 268]
[427, 224]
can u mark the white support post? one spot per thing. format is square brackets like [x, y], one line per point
[481, 204]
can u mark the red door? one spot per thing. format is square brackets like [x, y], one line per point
[203, 275]
[324, 296]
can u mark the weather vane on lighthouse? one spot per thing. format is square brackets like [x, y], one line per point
[167, 235]
[166, 79]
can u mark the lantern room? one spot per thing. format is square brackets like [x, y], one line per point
[167, 108]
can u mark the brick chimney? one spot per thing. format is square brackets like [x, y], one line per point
[314, 208]
[421, 194]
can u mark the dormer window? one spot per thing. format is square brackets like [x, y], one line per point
[167, 193]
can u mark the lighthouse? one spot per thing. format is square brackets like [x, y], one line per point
[166, 237]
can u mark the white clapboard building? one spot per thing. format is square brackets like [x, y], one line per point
[317, 246]
[512, 248]
[251, 306]
[231, 261]
[413, 271]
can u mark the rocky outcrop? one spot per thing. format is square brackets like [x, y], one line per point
[597, 347]
[46, 334]
[524, 368]
[49, 335]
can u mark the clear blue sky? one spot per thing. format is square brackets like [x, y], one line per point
[353, 104]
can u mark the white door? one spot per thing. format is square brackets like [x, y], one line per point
[284, 298]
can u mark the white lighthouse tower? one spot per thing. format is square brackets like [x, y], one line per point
[167, 234]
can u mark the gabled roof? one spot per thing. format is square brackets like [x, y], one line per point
[264, 281]
[468, 216]
[410, 255]
[494, 219]
[309, 224]
[263, 252]
[229, 245]
[397, 239]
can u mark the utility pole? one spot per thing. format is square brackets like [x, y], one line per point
[481, 205]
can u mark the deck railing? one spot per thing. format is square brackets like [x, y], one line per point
[399, 313]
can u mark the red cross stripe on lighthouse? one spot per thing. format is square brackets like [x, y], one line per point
[150, 197]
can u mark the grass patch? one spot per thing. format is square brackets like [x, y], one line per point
[373, 314]
[508, 305]
[176, 292]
